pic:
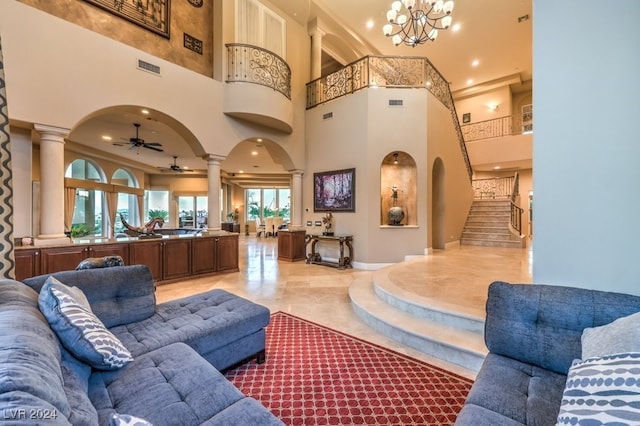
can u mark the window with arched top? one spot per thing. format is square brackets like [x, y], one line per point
[84, 199]
[128, 204]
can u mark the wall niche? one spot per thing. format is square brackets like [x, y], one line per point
[398, 183]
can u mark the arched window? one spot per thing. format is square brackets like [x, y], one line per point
[84, 206]
[129, 203]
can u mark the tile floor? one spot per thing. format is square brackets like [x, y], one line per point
[456, 278]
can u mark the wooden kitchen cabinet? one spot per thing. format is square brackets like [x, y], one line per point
[227, 253]
[203, 255]
[27, 263]
[147, 253]
[64, 258]
[169, 259]
[176, 259]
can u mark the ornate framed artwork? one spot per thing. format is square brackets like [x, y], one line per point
[152, 15]
[335, 191]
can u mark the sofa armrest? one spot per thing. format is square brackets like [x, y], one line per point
[542, 324]
[118, 295]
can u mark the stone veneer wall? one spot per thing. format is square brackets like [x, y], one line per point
[184, 18]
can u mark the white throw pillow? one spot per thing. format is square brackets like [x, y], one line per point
[619, 336]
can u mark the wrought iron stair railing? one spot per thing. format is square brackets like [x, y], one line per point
[387, 71]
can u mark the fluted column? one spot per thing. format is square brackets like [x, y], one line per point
[296, 197]
[316, 48]
[51, 182]
[213, 193]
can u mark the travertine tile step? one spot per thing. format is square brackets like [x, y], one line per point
[462, 347]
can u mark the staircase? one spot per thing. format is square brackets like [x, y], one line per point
[488, 225]
[414, 321]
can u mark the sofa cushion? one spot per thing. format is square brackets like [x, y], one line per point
[542, 324]
[172, 385]
[204, 321]
[30, 374]
[620, 336]
[520, 392]
[118, 295]
[602, 391]
[75, 374]
[79, 330]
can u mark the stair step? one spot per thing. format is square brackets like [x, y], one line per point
[490, 209]
[461, 347]
[487, 229]
[486, 236]
[491, 243]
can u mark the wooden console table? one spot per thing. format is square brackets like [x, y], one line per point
[343, 262]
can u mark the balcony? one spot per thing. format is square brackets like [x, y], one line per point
[258, 87]
[506, 141]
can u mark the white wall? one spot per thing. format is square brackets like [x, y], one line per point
[586, 149]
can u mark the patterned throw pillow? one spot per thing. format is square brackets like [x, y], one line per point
[602, 391]
[79, 330]
[127, 420]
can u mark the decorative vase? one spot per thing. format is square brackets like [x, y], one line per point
[395, 216]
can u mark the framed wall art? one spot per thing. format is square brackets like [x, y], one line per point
[335, 191]
[151, 15]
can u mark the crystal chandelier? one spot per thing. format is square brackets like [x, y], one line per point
[420, 23]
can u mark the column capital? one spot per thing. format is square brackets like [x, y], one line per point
[51, 130]
[314, 28]
[296, 172]
[213, 158]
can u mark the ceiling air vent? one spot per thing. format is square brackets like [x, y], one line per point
[395, 102]
[146, 66]
[327, 115]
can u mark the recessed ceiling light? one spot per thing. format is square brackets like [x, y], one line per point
[475, 63]
[470, 81]
[496, 168]
[455, 27]
[144, 111]
[254, 152]
[106, 138]
[259, 140]
[370, 23]
[240, 171]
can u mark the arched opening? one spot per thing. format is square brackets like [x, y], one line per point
[438, 239]
[398, 190]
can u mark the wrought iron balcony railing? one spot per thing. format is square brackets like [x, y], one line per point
[252, 64]
[387, 71]
[497, 127]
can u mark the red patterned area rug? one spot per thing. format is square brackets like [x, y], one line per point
[318, 376]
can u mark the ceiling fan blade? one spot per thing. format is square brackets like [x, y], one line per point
[153, 143]
[153, 148]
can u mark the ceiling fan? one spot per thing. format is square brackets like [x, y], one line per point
[136, 142]
[174, 167]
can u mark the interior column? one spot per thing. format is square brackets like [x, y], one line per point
[51, 183]
[316, 48]
[296, 198]
[213, 192]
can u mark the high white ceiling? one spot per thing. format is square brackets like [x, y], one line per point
[490, 32]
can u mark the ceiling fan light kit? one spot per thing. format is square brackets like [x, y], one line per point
[419, 23]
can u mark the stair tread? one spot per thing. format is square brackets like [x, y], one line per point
[363, 295]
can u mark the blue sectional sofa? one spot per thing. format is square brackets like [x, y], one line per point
[177, 348]
[550, 352]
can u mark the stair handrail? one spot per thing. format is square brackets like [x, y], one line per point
[388, 71]
[516, 211]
